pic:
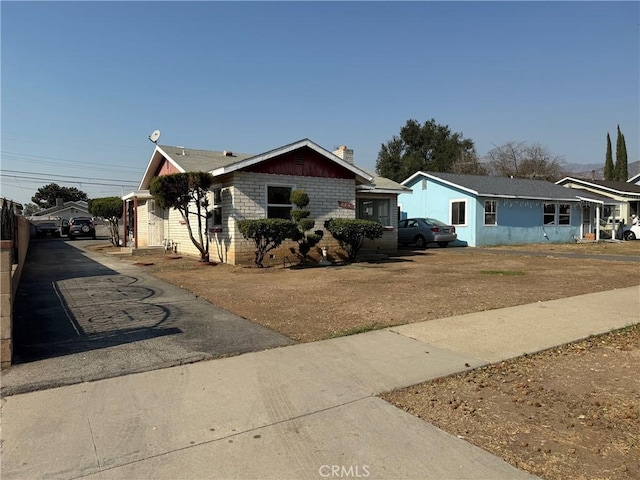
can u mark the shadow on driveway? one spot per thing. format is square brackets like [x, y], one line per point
[80, 316]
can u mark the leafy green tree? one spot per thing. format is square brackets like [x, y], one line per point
[188, 193]
[608, 161]
[109, 208]
[428, 147]
[267, 234]
[350, 233]
[45, 197]
[620, 170]
[31, 209]
[303, 236]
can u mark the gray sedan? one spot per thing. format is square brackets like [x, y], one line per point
[422, 231]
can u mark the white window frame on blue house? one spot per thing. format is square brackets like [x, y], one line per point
[557, 217]
[493, 212]
[465, 212]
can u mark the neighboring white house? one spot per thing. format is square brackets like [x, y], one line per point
[64, 210]
[259, 186]
[621, 198]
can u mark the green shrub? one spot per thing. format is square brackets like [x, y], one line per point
[350, 233]
[109, 208]
[306, 241]
[267, 233]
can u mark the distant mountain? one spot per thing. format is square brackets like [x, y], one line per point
[596, 170]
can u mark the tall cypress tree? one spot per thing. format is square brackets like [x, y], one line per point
[608, 162]
[620, 170]
[623, 173]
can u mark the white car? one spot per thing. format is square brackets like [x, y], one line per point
[631, 232]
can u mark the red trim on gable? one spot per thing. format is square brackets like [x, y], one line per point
[165, 168]
[303, 162]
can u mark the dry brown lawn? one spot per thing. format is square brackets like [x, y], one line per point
[570, 412]
[309, 304]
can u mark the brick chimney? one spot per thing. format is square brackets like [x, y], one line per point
[344, 153]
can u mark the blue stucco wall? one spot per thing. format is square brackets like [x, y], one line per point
[520, 221]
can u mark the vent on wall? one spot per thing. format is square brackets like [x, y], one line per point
[299, 160]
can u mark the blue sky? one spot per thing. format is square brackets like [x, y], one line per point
[85, 83]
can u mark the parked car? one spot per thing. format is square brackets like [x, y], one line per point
[631, 232]
[422, 231]
[81, 227]
[47, 229]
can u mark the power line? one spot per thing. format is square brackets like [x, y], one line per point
[60, 161]
[74, 181]
[70, 176]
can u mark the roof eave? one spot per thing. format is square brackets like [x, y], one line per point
[153, 164]
[597, 186]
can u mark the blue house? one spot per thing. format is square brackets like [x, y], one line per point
[500, 210]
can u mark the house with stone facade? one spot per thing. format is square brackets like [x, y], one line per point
[258, 186]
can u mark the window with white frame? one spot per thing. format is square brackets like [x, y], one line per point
[216, 208]
[278, 201]
[564, 214]
[549, 214]
[378, 210]
[556, 214]
[458, 212]
[490, 212]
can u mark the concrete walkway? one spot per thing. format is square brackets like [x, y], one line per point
[297, 412]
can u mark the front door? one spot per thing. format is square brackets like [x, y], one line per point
[586, 220]
[156, 224]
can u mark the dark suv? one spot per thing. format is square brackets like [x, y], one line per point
[81, 227]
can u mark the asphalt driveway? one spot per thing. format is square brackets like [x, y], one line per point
[80, 316]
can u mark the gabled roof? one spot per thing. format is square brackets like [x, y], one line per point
[606, 186]
[502, 187]
[80, 204]
[221, 163]
[247, 162]
[634, 179]
[188, 160]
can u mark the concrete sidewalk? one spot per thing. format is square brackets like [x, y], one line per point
[304, 411]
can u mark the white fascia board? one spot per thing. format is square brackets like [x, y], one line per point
[137, 193]
[372, 189]
[248, 162]
[417, 174]
[451, 184]
[526, 197]
[595, 186]
[589, 200]
[154, 162]
[438, 179]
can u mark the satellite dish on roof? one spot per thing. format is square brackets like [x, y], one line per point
[155, 136]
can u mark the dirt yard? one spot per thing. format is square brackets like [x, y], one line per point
[571, 412]
[311, 304]
[567, 413]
